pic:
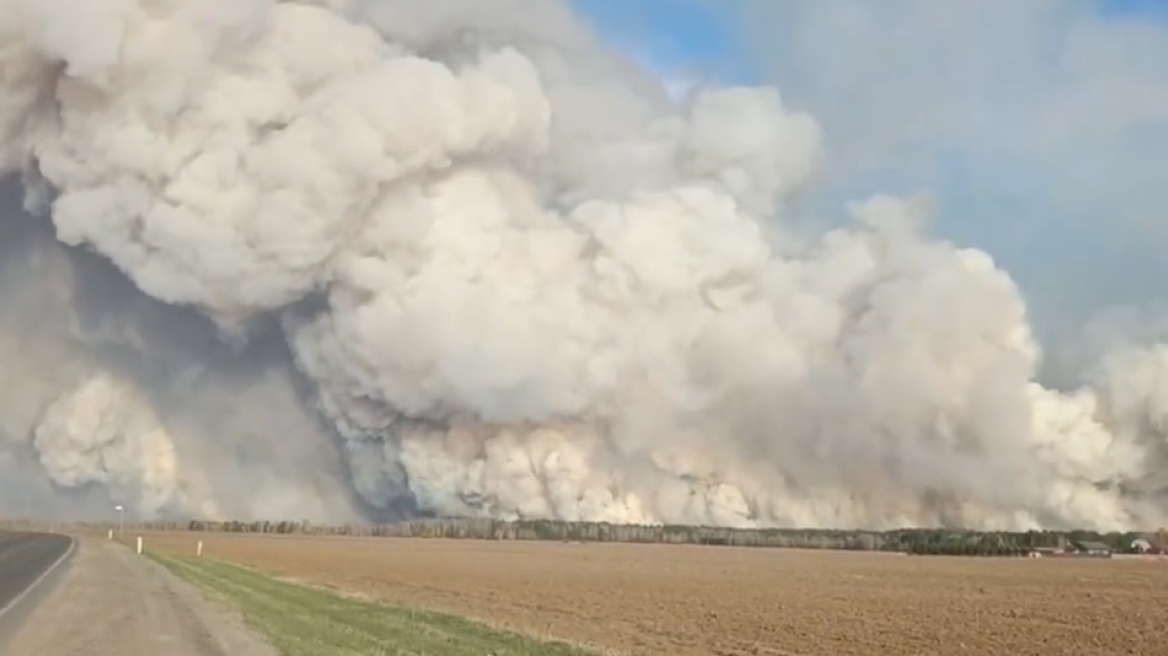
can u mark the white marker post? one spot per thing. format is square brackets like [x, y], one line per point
[111, 534]
[139, 545]
[199, 549]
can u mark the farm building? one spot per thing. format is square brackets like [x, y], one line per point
[1078, 549]
[1090, 548]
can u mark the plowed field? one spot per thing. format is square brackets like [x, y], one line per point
[691, 601]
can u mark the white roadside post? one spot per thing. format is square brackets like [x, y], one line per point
[139, 545]
[199, 549]
[111, 534]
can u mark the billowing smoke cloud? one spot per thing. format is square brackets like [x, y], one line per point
[110, 396]
[456, 257]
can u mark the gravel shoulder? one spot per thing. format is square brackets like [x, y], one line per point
[113, 602]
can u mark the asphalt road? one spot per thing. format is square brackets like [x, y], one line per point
[24, 560]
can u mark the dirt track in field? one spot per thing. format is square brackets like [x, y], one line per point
[691, 601]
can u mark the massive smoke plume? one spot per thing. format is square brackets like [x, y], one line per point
[329, 260]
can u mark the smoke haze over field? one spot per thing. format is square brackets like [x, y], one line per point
[299, 259]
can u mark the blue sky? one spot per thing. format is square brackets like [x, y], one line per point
[1135, 7]
[679, 33]
[1041, 125]
[702, 32]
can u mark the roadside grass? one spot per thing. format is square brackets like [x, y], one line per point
[305, 621]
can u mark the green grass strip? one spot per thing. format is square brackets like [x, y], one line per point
[305, 621]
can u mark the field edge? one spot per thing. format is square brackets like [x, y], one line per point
[301, 619]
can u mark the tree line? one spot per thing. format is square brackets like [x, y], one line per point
[909, 540]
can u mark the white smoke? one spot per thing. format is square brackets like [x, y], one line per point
[522, 282]
[102, 433]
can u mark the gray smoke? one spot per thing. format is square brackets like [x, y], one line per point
[326, 260]
[107, 394]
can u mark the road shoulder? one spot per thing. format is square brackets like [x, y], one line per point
[116, 602]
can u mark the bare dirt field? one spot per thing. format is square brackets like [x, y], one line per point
[684, 600]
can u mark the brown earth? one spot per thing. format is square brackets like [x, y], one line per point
[112, 602]
[691, 601]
